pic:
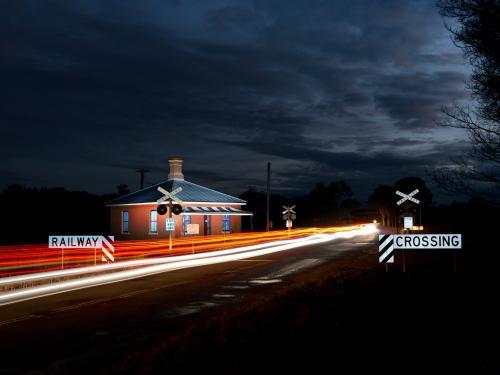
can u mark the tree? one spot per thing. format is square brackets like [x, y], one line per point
[476, 29]
[257, 204]
[321, 205]
[382, 200]
[123, 190]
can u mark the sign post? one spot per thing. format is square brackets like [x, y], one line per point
[176, 209]
[193, 230]
[407, 219]
[289, 215]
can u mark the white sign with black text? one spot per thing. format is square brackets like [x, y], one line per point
[388, 243]
[408, 222]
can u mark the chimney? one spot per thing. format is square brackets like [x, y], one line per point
[175, 169]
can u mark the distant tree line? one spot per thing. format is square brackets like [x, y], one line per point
[32, 214]
[326, 204]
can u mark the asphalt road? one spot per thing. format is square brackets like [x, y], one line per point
[100, 324]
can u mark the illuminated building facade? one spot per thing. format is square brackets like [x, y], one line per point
[134, 216]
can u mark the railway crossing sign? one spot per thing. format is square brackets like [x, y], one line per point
[171, 208]
[388, 243]
[288, 215]
[171, 197]
[407, 197]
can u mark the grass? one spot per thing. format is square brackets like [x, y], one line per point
[344, 317]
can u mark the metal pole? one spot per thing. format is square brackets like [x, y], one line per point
[142, 171]
[404, 261]
[170, 232]
[420, 214]
[268, 194]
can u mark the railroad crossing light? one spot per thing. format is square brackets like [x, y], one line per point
[162, 209]
[176, 209]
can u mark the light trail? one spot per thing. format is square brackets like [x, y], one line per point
[29, 259]
[119, 276]
[135, 263]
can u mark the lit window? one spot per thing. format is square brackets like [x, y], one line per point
[153, 222]
[186, 219]
[226, 223]
[125, 221]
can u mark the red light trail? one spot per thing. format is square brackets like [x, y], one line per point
[44, 283]
[32, 258]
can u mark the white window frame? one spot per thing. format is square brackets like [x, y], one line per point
[185, 223]
[127, 221]
[151, 221]
[226, 219]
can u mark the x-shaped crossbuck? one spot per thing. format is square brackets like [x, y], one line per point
[169, 195]
[408, 197]
[289, 209]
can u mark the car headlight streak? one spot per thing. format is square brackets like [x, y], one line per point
[147, 267]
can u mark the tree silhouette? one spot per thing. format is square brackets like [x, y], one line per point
[477, 31]
[382, 200]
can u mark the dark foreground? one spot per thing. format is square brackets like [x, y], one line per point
[342, 316]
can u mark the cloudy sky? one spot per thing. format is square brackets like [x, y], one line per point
[325, 90]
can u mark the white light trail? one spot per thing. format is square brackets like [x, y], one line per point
[135, 263]
[233, 255]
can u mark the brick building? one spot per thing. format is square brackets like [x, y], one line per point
[134, 216]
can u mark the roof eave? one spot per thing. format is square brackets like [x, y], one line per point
[243, 203]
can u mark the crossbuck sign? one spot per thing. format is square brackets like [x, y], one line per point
[169, 195]
[289, 214]
[407, 197]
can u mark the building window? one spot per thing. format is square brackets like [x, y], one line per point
[226, 223]
[186, 219]
[124, 221]
[207, 225]
[153, 222]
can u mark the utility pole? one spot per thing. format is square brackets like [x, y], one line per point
[142, 171]
[268, 194]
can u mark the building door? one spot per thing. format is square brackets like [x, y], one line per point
[207, 225]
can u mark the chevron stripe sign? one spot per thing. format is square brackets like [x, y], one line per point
[107, 248]
[386, 248]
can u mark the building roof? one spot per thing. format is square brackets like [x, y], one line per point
[190, 193]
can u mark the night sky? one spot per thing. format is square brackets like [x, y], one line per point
[325, 90]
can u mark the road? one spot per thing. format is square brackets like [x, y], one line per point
[101, 324]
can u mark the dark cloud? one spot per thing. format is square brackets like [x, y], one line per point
[92, 91]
